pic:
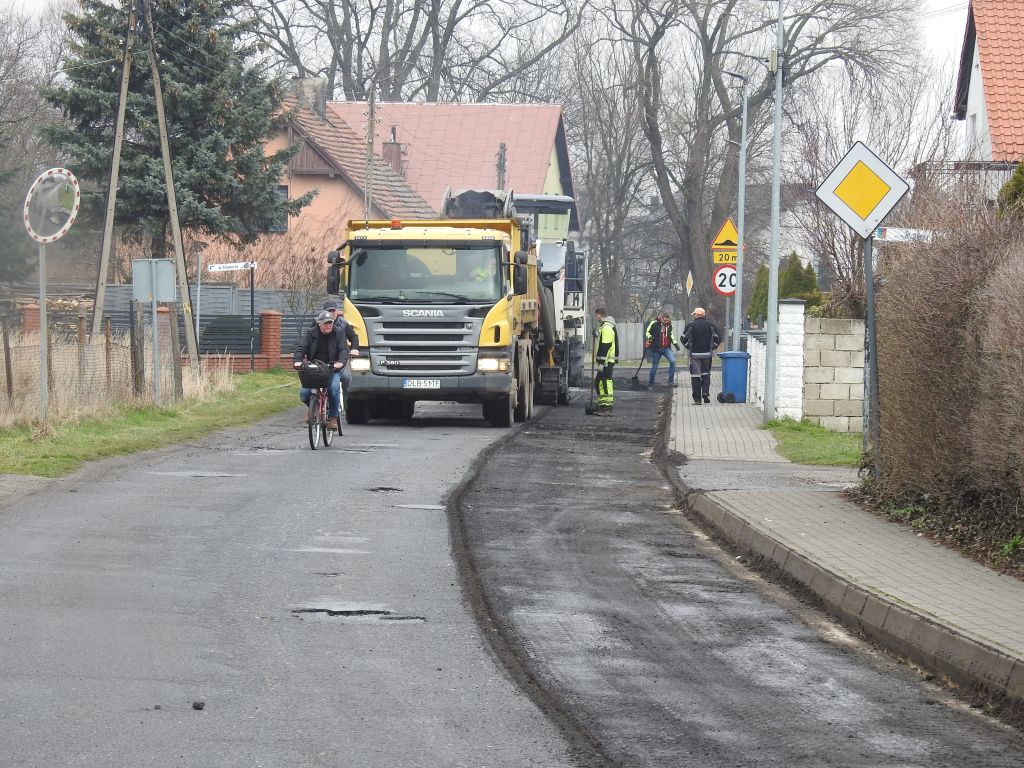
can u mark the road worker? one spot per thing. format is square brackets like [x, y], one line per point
[701, 337]
[607, 349]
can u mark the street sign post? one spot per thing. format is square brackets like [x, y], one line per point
[862, 190]
[234, 266]
[724, 252]
[51, 207]
[153, 280]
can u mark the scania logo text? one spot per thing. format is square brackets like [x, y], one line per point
[422, 313]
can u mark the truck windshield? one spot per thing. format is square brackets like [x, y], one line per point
[425, 275]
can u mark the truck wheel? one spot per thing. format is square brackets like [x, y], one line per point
[501, 411]
[522, 396]
[355, 412]
[487, 410]
[404, 409]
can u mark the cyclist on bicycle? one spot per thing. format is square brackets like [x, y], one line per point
[336, 310]
[326, 343]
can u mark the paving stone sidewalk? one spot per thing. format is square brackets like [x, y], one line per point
[946, 612]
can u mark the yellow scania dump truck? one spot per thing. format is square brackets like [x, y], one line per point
[453, 309]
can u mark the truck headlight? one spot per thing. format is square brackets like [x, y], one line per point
[360, 363]
[492, 364]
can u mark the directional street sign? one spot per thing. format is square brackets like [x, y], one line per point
[898, 235]
[862, 189]
[232, 266]
[725, 244]
[724, 279]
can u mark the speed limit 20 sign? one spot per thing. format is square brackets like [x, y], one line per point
[724, 279]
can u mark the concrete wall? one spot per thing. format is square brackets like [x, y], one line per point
[833, 375]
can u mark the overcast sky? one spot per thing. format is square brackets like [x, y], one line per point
[943, 24]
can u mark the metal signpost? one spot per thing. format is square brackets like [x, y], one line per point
[153, 280]
[251, 266]
[862, 190]
[724, 254]
[51, 207]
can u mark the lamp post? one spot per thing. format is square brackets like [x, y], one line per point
[737, 312]
[772, 324]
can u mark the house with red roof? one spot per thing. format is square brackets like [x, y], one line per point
[435, 146]
[420, 151]
[332, 160]
[990, 88]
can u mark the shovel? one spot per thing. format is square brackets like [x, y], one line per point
[634, 383]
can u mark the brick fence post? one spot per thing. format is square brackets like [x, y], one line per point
[30, 318]
[270, 337]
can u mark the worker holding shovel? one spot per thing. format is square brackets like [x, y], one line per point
[659, 339]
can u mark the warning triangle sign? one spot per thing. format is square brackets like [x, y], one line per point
[727, 237]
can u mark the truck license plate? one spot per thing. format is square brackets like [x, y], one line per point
[421, 384]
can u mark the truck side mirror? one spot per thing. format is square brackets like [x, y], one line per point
[519, 285]
[333, 273]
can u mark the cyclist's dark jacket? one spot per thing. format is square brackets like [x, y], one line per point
[347, 329]
[328, 348]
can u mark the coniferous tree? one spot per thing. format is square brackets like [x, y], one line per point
[221, 110]
[757, 307]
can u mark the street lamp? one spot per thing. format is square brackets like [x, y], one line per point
[772, 324]
[737, 311]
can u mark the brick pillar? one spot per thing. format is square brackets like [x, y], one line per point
[789, 364]
[270, 336]
[30, 318]
[163, 325]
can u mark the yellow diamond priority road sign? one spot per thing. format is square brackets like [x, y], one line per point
[862, 189]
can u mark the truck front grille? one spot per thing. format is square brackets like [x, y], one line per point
[430, 347]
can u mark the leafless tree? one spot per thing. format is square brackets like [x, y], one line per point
[415, 49]
[681, 49]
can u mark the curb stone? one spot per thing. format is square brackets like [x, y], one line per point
[938, 648]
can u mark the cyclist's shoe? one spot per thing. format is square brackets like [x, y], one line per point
[332, 423]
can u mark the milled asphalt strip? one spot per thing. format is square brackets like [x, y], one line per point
[953, 632]
[588, 751]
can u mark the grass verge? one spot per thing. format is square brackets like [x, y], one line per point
[805, 443]
[132, 429]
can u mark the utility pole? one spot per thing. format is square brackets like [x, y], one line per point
[772, 324]
[115, 172]
[502, 164]
[737, 317]
[371, 125]
[172, 204]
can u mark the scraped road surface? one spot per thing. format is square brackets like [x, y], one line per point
[631, 627]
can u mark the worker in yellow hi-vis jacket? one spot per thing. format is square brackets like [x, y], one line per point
[607, 349]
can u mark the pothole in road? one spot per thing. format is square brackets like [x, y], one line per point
[383, 489]
[364, 612]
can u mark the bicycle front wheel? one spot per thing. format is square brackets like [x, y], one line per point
[314, 421]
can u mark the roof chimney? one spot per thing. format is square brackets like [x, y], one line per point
[312, 93]
[391, 151]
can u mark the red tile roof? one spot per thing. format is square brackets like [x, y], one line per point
[998, 28]
[457, 144]
[338, 144]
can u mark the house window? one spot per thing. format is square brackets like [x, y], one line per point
[280, 222]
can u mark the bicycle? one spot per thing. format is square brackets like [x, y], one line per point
[317, 377]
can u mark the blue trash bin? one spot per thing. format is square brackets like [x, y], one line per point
[734, 377]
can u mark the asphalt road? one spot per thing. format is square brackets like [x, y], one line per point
[308, 602]
[650, 647]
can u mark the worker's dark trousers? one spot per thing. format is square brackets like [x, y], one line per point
[700, 377]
